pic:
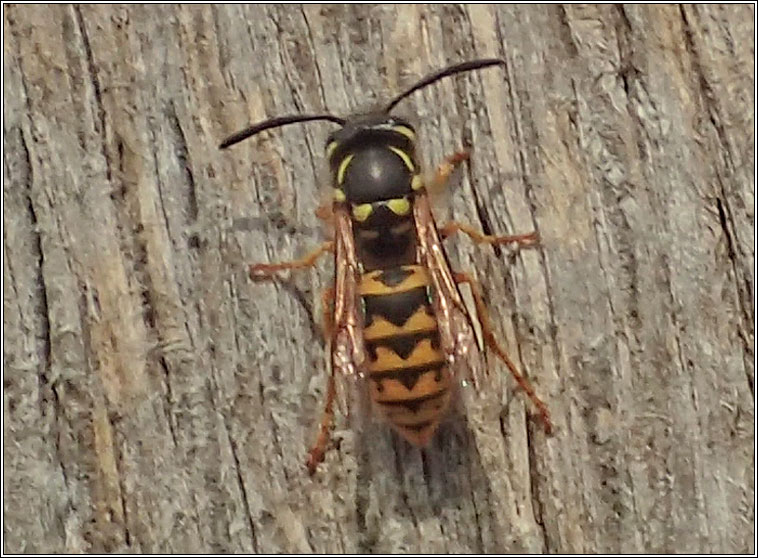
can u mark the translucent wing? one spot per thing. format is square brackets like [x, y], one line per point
[348, 353]
[457, 337]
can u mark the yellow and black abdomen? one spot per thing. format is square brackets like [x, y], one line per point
[409, 380]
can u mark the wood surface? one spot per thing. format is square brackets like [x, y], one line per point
[157, 400]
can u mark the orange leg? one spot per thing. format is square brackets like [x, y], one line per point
[265, 271]
[316, 453]
[491, 341]
[444, 170]
[439, 181]
[453, 227]
[325, 212]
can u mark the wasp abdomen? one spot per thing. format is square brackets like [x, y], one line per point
[410, 383]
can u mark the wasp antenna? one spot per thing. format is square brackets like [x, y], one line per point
[449, 71]
[275, 123]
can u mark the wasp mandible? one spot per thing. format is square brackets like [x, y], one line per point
[395, 318]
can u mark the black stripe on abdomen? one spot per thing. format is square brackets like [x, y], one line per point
[395, 307]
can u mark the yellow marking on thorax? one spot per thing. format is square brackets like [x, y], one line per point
[339, 195]
[421, 320]
[361, 212]
[399, 206]
[404, 156]
[371, 285]
[423, 353]
[343, 167]
[417, 182]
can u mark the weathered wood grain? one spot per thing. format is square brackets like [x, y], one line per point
[155, 400]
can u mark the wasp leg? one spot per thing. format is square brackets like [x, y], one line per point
[264, 271]
[489, 337]
[441, 176]
[439, 181]
[453, 227]
[325, 212]
[316, 453]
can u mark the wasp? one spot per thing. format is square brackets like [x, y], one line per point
[395, 318]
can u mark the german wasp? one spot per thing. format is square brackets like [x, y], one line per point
[395, 318]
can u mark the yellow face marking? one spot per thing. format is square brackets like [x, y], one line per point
[406, 131]
[404, 156]
[339, 195]
[330, 149]
[343, 167]
[362, 211]
[399, 206]
[416, 182]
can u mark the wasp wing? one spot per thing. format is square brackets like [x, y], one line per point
[457, 336]
[348, 352]
[344, 334]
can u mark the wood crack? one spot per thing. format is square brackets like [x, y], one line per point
[181, 152]
[95, 82]
[241, 486]
[743, 285]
